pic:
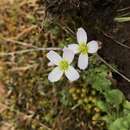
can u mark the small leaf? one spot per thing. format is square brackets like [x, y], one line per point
[108, 119]
[65, 98]
[102, 105]
[126, 104]
[114, 96]
[117, 125]
[101, 84]
[128, 119]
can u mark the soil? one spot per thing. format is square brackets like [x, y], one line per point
[97, 16]
[118, 55]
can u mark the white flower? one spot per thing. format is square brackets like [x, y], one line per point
[83, 48]
[62, 65]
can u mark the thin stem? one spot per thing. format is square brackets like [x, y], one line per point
[29, 50]
[18, 42]
[123, 9]
[116, 71]
[119, 43]
[122, 19]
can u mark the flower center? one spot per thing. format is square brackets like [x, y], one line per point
[64, 65]
[83, 48]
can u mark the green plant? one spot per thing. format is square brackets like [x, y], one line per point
[103, 105]
[100, 99]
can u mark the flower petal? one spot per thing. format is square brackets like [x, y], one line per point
[51, 64]
[72, 74]
[92, 46]
[81, 36]
[83, 61]
[68, 54]
[55, 75]
[74, 48]
[54, 57]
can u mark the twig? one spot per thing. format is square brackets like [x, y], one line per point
[75, 106]
[44, 126]
[67, 29]
[25, 31]
[24, 68]
[116, 71]
[122, 19]
[18, 42]
[119, 43]
[123, 9]
[29, 50]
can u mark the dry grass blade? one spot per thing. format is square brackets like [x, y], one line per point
[28, 50]
[116, 71]
[122, 19]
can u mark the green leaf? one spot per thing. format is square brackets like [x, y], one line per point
[128, 119]
[97, 77]
[65, 98]
[101, 84]
[102, 105]
[118, 125]
[107, 119]
[126, 104]
[114, 96]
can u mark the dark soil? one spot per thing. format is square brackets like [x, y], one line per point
[120, 56]
[97, 16]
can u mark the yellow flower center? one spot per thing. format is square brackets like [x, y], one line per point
[83, 48]
[64, 65]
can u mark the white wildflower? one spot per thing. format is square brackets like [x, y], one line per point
[63, 65]
[83, 48]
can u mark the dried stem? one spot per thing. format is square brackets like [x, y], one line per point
[29, 50]
[18, 42]
[117, 42]
[116, 71]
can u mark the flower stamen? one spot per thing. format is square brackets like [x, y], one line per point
[83, 48]
[63, 65]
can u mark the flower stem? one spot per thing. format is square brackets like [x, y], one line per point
[29, 50]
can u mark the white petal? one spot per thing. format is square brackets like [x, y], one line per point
[81, 36]
[68, 54]
[72, 74]
[54, 57]
[83, 61]
[74, 48]
[51, 64]
[92, 47]
[55, 75]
